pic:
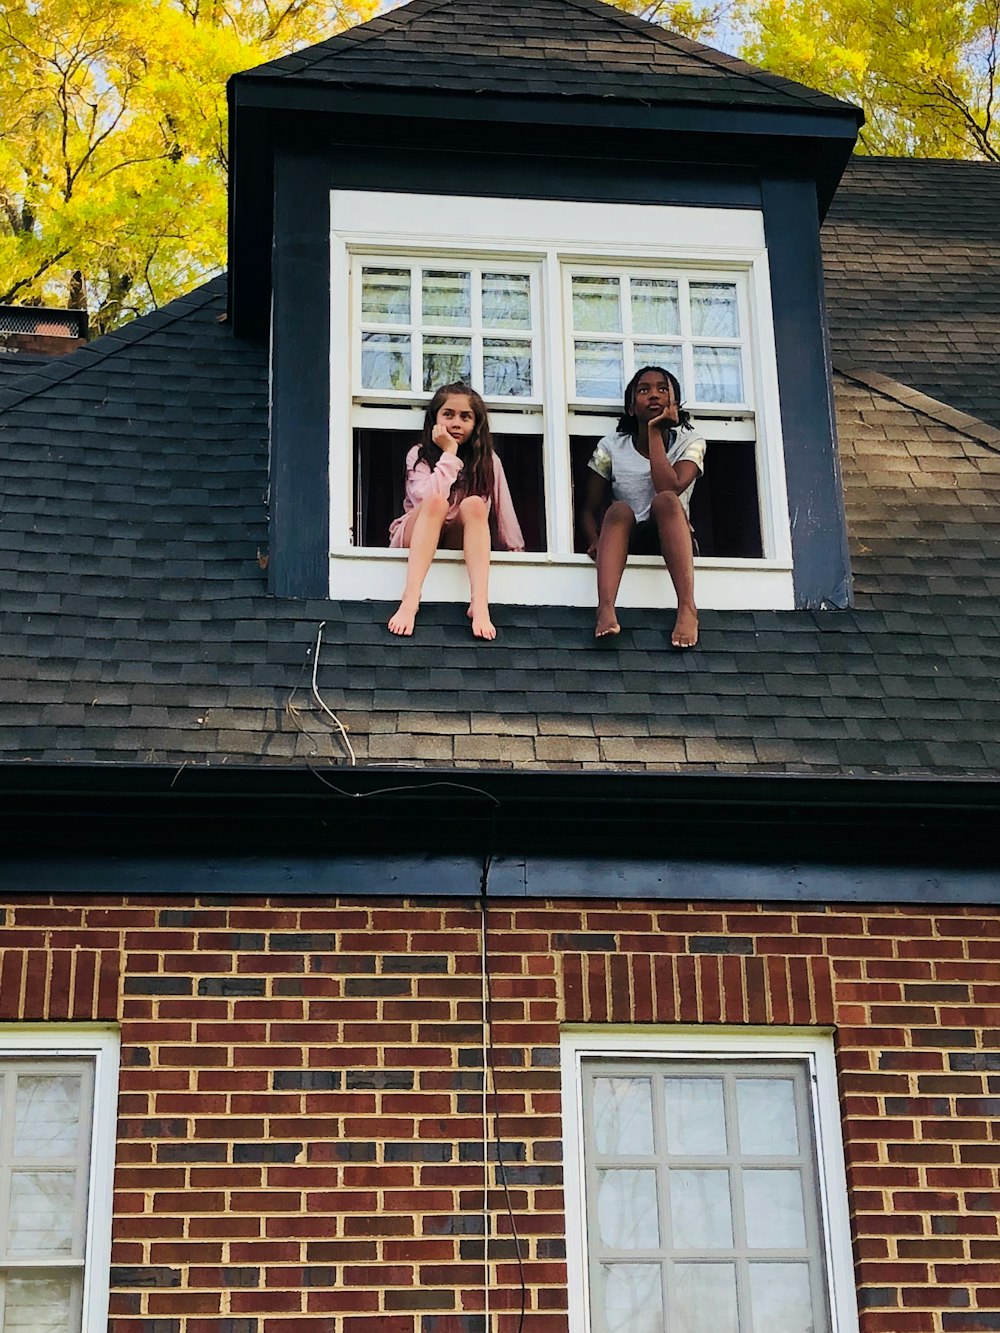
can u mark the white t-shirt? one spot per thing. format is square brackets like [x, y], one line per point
[617, 460]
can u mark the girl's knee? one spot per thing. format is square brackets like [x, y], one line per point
[473, 509]
[619, 512]
[437, 505]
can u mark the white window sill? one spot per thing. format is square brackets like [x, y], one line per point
[376, 574]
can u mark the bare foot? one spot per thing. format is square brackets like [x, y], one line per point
[482, 625]
[607, 623]
[406, 614]
[685, 633]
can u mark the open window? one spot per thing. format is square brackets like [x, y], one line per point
[710, 1184]
[547, 308]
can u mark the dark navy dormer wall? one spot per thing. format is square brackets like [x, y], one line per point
[443, 158]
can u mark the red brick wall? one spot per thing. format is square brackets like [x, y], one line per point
[301, 1138]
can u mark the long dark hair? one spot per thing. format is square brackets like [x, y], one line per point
[628, 422]
[476, 453]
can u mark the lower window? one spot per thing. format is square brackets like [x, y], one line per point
[57, 1115]
[705, 1187]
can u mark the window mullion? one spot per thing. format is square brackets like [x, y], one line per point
[556, 332]
[416, 330]
[477, 336]
[628, 338]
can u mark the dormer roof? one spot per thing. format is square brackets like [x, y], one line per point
[538, 48]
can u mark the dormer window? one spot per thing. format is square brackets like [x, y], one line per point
[547, 308]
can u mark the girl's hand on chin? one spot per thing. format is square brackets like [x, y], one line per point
[443, 440]
[668, 417]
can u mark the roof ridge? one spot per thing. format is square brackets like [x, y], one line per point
[966, 424]
[110, 344]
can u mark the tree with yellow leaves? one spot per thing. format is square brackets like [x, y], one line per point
[113, 147]
[923, 71]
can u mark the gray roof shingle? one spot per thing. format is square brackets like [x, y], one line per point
[913, 276]
[568, 48]
[138, 628]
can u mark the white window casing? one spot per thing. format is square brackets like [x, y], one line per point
[714, 1055]
[551, 241]
[79, 1258]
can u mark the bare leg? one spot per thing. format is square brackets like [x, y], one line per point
[476, 550]
[678, 555]
[612, 552]
[421, 534]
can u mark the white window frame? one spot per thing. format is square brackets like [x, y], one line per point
[101, 1044]
[814, 1047]
[366, 398]
[555, 234]
[686, 341]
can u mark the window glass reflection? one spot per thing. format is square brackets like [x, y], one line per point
[385, 295]
[626, 1209]
[447, 300]
[596, 304]
[623, 1116]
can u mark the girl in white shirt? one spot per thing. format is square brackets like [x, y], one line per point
[647, 470]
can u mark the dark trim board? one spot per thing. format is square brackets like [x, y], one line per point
[822, 570]
[509, 877]
[369, 833]
[299, 563]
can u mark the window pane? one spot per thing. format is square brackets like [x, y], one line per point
[766, 1113]
[385, 361]
[506, 368]
[445, 361]
[700, 1210]
[41, 1212]
[623, 1116]
[596, 305]
[655, 308]
[780, 1300]
[447, 299]
[40, 1303]
[696, 1117]
[775, 1212]
[714, 313]
[665, 356]
[506, 301]
[599, 370]
[626, 1209]
[718, 375]
[47, 1115]
[633, 1298]
[705, 1298]
[385, 295]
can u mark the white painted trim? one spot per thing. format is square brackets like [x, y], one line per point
[550, 235]
[811, 1045]
[99, 1042]
[383, 217]
[534, 578]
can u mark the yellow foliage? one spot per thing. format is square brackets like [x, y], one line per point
[113, 144]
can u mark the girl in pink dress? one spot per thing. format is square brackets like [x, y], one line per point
[454, 481]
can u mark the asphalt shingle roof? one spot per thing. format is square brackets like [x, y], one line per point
[570, 48]
[912, 270]
[137, 626]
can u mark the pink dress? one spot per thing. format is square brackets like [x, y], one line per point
[422, 481]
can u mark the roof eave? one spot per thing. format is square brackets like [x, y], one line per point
[672, 835]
